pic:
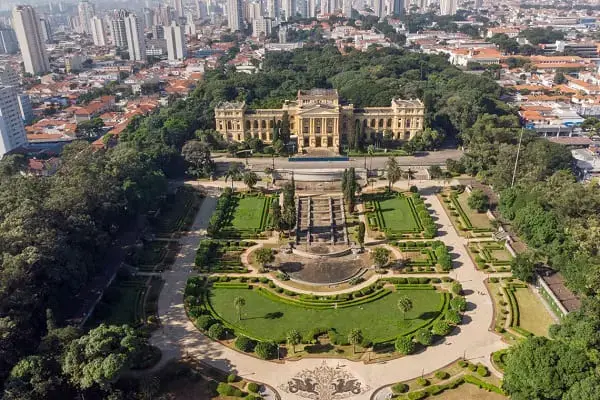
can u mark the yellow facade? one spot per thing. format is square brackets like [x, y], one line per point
[318, 120]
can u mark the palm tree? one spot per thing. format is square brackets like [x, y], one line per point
[355, 337]
[405, 305]
[371, 152]
[250, 179]
[410, 174]
[239, 303]
[394, 172]
[293, 338]
[234, 173]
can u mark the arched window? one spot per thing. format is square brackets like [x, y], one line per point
[364, 124]
[406, 135]
[263, 124]
[263, 136]
[372, 123]
[381, 123]
[400, 123]
[255, 123]
[247, 125]
[270, 124]
[389, 123]
[408, 123]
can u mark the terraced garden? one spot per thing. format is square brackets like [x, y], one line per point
[424, 257]
[221, 256]
[178, 213]
[491, 256]
[398, 215]
[468, 222]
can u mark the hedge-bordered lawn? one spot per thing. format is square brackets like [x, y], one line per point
[397, 214]
[242, 216]
[248, 212]
[379, 320]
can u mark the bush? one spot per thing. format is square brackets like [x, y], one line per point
[216, 331]
[463, 364]
[253, 397]
[231, 378]
[245, 344]
[458, 303]
[266, 350]
[472, 367]
[414, 189]
[404, 345]
[399, 388]
[441, 375]
[482, 370]
[225, 389]
[453, 317]
[253, 387]
[441, 328]
[417, 395]
[424, 336]
[457, 288]
[422, 381]
[204, 322]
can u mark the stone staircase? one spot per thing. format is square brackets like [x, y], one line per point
[321, 219]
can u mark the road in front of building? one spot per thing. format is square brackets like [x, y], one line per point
[260, 163]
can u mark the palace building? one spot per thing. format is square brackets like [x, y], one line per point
[319, 120]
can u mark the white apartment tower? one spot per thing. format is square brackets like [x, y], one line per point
[448, 7]
[234, 15]
[176, 48]
[86, 11]
[136, 44]
[311, 8]
[273, 9]
[261, 26]
[117, 29]
[98, 33]
[27, 28]
[178, 6]
[347, 8]
[379, 8]
[46, 30]
[12, 130]
[289, 8]
[327, 7]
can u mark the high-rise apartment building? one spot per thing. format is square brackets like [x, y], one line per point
[8, 76]
[46, 30]
[327, 7]
[176, 47]
[234, 15]
[85, 10]
[379, 8]
[312, 8]
[201, 9]
[117, 29]
[8, 41]
[136, 44]
[33, 51]
[148, 17]
[448, 7]
[12, 130]
[273, 9]
[398, 7]
[302, 8]
[261, 26]
[289, 8]
[98, 32]
[347, 8]
[178, 6]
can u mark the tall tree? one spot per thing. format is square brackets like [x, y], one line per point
[250, 179]
[355, 337]
[234, 173]
[405, 305]
[293, 338]
[239, 303]
[393, 171]
[285, 127]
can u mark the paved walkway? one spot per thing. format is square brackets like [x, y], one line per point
[179, 337]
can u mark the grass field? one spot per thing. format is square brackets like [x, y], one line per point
[478, 220]
[264, 318]
[469, 392]
[533, 315]
[397, 214]
[248, 213]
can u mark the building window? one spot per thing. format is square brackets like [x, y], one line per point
[220, 125]
[247, 125]
[381, 123]
[255, 123]
[408, 123]
[372, 123]
[263, 124]
[229, 125]
[389, 123]
[271, 124]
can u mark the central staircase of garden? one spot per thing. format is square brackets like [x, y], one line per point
[321, 220]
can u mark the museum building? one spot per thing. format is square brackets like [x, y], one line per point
[319, 120]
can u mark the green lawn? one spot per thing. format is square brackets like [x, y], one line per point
[380, 320]
[398, 215]
[122, 303]
[248, 212]
[533, 316]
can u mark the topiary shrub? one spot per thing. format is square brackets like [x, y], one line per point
[266, 350]
[463, 364]
[204, 322]
[245, 344]
[417, 395]
[453, 317]
[457, 288]
[414, 189]
[225, 389]
[399, 388]
[422, 381]
[482, 370]
[472, 367]
[216, 331]
[253, 387]
[404, 345]
[458, 303]
[441, 375]
[424, 337]
[231, 378]
[441, 328]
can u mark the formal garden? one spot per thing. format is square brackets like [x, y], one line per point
[470, 220]
[177, 213]
[423, 256]
[222, 256]
[459, 380]
[519, 313]
[490, 256]
[246, 313]
[241, 215]
[394, 215]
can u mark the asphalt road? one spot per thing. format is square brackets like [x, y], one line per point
[259, 164]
